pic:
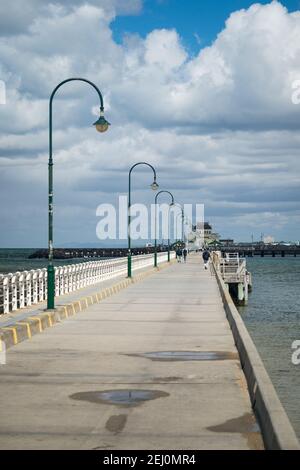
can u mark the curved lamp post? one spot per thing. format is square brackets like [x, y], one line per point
[155, 242]
[153, 186]
[182, 220]
[101, 125]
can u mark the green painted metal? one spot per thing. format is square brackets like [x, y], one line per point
[51, 287]
[101, 122]
[155, 259]
[154, 186]
[155, 226]
[182, 241]
[51, 277]
[129, 266]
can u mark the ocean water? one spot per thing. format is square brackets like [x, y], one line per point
[272, 318]
[16, 259]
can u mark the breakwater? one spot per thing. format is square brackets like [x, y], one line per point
[71, 253]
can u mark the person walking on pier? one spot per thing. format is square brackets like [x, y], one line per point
[206, 257]
[185, 252]
[179, 254]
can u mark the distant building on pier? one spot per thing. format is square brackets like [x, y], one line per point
[204, 234]
[268, 240]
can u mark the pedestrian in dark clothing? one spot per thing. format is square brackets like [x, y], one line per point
[185, 252]
[206, 257]
[179, 254]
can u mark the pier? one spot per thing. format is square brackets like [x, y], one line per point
[23, 289]
[261, 250]
[160, 361]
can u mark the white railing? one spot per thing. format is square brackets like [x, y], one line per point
[233, 268]
[22, 289]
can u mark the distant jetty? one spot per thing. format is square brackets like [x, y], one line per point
[261, 250]
[71, 253]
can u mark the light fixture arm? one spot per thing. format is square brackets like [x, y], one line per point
[155, 225]
[50, 106]
[50, 271]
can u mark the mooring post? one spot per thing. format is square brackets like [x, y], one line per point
[246, 281]
[241, 297]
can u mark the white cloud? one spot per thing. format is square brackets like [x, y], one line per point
[163, 49]
[220, 127]
[18, 15]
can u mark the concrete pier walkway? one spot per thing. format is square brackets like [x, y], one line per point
[51, 387]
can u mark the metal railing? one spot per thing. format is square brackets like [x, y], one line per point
[23, 289]
[232, 268]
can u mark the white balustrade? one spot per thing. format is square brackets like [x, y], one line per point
[21, 282]
[34, 280]
[28, 288]
[74, 287]
[22, 289]
[5, 289]
[41, 287]
[14, 295]
[69, 277]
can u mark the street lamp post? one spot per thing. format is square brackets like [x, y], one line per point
[101, 125]
[182, 221]
[155, 226]
[154, 186]
[187, 241]
[177, 218]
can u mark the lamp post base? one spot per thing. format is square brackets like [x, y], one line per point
[51, 288]
[129, 266]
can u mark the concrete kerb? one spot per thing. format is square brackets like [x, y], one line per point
[25, 329]
[277, 431]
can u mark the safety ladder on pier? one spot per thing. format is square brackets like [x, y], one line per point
[233, 270]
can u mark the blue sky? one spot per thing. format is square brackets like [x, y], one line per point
[197, 21]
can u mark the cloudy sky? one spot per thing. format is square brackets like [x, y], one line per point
[203, 93]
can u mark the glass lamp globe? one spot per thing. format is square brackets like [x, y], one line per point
[101, 124]
[154, 186]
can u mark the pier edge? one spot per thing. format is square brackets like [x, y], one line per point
[276, 429]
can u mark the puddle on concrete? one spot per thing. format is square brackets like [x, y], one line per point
[245, 425]
[116, 423]
[120, 397]
[189, 355]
